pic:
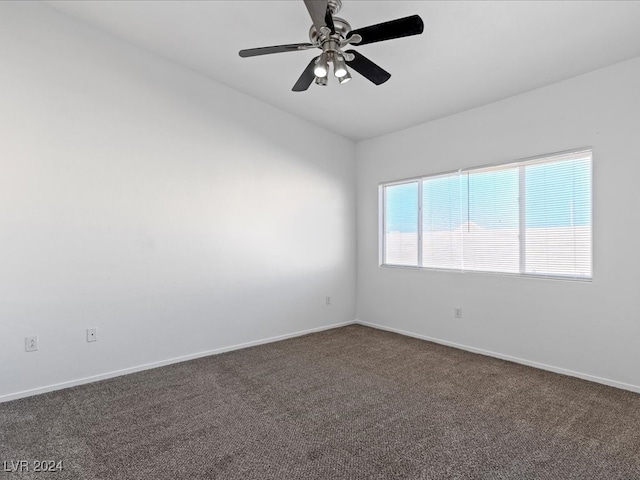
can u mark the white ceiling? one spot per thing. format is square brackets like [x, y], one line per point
[471, 53]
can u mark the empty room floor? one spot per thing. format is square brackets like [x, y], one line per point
[348, 403]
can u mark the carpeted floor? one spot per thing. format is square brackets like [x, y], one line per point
[349, 403]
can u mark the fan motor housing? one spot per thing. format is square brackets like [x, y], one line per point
[342, 28]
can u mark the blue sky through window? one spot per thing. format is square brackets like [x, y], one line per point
[401, 204]
[557, 194]
[493, 199]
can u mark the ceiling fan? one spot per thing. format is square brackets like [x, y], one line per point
[331, 34]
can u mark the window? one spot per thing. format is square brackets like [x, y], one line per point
[531, 218]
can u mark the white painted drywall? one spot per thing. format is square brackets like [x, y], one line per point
[170, 212]
[592, 329]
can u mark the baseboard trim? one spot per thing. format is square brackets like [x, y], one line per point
[509, 358]
[147, 366]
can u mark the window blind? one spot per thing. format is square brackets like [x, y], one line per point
[558, 218]
[531, 217]
[401, 224]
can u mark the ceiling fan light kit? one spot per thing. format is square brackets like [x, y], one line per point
[344, 79]
[331, 35]
[339, 67]
[322, 66]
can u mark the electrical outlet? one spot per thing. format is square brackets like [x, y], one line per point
[457, 312]
[92, 335]
[31, 344]
[327, 300]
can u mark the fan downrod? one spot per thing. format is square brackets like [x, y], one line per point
[335, 6]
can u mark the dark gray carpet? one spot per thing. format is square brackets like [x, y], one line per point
[349, 403]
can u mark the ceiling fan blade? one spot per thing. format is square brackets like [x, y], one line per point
[306, 78]
[293, 47]
[402, 27]
[320, 14]
[367, 68]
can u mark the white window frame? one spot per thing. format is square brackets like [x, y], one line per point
[539, 159]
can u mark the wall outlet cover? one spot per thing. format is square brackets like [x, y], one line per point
[31, 344]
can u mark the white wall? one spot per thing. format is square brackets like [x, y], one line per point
[172, 213]
[588, 329]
